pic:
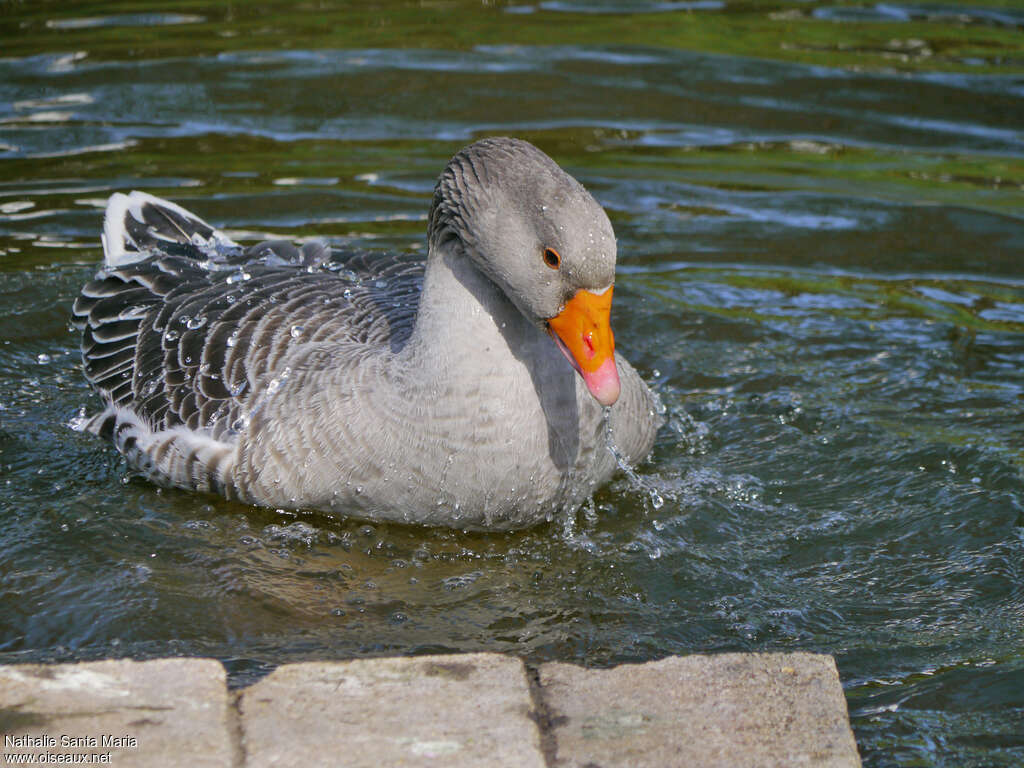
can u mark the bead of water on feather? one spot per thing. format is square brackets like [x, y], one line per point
[133, 312]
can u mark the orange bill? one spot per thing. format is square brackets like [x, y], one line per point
[583, 332]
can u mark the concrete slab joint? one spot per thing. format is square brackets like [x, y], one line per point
[462, 710]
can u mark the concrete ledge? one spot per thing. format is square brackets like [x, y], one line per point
[455, 711]
[168, 712]
[734, 709]
[462, 710]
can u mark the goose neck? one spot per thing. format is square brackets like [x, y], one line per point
[462, 312]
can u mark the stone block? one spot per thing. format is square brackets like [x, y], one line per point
[167, 713]
[736, 709]
[452, 711]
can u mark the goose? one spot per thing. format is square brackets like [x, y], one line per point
[476, 389]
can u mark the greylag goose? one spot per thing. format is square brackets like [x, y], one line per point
[468, 390]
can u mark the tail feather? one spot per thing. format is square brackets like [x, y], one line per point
[139, 225]
[177, 456]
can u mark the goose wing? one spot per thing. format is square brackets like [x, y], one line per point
[182, 326]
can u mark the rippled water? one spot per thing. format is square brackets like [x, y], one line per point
[820, 212]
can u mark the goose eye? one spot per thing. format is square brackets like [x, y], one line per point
[551, 258]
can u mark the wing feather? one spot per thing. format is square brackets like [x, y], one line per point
[182, 344]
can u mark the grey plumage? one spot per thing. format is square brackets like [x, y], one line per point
[362, 383]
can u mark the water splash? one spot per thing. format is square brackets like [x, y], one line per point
[653, 494]
[79, 421]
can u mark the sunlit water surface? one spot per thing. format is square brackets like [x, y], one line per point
[821, 238]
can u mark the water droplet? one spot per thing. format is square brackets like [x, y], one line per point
[297, 331]
[171, 336]
[196, 322]
[42, 358]
[238, 277]
[133, 312]
[230, 341]
[79, 421]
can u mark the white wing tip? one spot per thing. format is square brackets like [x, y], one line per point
[118, 247]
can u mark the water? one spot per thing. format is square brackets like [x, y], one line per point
[820, 213]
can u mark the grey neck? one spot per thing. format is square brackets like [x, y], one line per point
[463, 316]
[469, 338]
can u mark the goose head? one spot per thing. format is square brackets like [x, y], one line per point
[547, 244]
